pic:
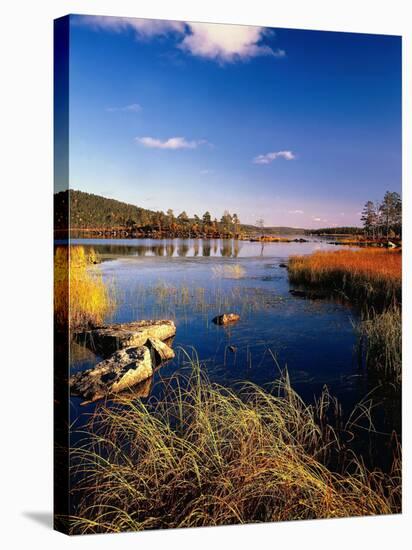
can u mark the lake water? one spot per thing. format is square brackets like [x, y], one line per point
[192, 281]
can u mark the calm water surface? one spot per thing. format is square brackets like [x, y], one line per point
[191, 281]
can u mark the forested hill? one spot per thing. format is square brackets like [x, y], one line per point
[93, 211]
[96, 213]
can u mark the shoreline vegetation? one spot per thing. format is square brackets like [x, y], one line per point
[369, 276]
[204, 455]
[93, 216]
[372, 279]
[81, 297]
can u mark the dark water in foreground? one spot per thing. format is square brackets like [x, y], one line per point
[191, 281]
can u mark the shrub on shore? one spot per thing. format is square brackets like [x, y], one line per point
[81, 297]
[203, 455]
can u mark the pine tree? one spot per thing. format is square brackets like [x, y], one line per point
[369, 219]
[390, 211]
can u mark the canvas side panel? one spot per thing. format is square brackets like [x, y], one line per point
[61, 278]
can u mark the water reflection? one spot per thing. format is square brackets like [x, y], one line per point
[181, 248]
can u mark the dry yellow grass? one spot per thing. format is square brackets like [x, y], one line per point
[81, 297]
[205, 456]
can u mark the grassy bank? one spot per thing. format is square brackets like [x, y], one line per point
[81, 297]
[371, 276]
[373, 279]
[204, 455]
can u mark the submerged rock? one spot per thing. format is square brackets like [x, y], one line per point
[226, 318]
[121, 371]
[312, 295]
[107, 339]
[298, 293]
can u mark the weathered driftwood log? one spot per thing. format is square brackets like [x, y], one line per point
[226, 318]
[121, 371]
[107, 339]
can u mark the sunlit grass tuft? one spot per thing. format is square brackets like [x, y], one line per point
[383, 334]
[81, 297]
[204, 455]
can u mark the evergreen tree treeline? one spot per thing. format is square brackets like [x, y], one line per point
[89, 211]
[384, 219]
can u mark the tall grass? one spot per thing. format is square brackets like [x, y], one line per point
[383, 335]
[203, 455]
[81, 297]
[371, 275]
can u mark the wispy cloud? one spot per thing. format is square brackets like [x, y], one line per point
[295, 212]
[223, 43]
[171, 143]
[317, 219]
[143, 28]
[132, 108]
[270, 157]
[205, 172]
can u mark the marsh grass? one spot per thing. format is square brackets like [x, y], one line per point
[204, 455]
[371, 276]
[382, 333]
[373, 279]
[81, 297]
[185, 299]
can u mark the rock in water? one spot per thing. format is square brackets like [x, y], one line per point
[160, 351]
[121, 371]
[299, 293]
[226, 318]
[107, 339]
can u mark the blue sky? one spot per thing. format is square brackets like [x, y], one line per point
[299, 128]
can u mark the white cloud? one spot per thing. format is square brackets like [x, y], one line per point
[171, 143]
[270, 157]
[296, 212]
[205, 172]
[132, 108]
[224, 43]
[317, 219]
